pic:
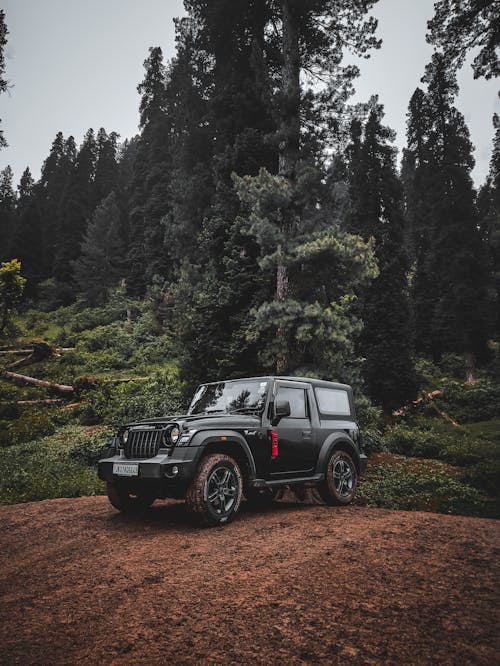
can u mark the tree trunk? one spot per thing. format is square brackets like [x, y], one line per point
[470, 368]
[24, 379]
[289, 135]
[289, 132]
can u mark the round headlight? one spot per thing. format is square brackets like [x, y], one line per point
[125, 436]
[174, 434]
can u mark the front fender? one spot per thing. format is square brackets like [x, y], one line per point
[204, 437]
[333, 441]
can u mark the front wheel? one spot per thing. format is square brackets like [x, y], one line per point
[128, 501]
[215, 492]
[341, 479]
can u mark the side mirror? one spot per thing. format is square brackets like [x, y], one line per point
[281, 409]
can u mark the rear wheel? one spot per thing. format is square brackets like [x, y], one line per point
[340, 480]
[128, 501]
[260, 497]
[215, 492]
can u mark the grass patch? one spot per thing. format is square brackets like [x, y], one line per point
[396, 482]
[61, 465]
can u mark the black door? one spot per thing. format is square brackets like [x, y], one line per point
[296, 451]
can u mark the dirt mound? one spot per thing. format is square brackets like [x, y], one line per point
[297, 583]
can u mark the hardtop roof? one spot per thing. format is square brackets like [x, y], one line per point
[324, 383]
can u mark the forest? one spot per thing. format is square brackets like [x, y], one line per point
[261, 223]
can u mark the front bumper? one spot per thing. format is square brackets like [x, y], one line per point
[157, 469]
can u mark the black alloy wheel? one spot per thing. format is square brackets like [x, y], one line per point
[215, 492]
[341, 479]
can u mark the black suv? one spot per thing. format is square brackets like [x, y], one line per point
[240, 437]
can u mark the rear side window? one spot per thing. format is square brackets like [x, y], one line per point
[333, 401]
[297, 399]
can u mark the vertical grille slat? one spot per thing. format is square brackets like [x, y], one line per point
[143, 443]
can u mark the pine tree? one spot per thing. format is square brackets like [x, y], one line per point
[254, 109]
[27, 237]
[313, 37]
[74, 212]
[101, 260]
[327, 269]
[149, 192]
[7, 212]
[458, 26]
[3, 82]
[106, 168]
[376, 211]
[489, 216]
[451, 281]
[50, 198]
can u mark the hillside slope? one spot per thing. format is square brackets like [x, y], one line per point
[297, 583]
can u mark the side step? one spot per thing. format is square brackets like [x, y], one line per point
[262, 483]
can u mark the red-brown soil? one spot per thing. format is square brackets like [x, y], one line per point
[298, 583]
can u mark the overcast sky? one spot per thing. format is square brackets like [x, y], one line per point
[75, 64]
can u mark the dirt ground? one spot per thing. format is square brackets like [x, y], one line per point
[298, 583]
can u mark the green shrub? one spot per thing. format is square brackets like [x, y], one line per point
[469, 404]
[485, 475]
[30, 424]
[394, 487]
[55, 466]
[110, 337]
[421, 439]
[115, 404]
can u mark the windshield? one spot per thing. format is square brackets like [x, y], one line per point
[229, 397]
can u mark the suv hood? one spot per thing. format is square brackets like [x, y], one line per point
[203, 421]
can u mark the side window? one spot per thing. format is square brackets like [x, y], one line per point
[333, 401]
[297, 399]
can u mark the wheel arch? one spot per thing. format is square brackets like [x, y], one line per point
[337, 442]
[234, 446]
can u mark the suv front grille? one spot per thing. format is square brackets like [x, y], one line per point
[143, 443]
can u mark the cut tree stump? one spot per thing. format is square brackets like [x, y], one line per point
[41, 351]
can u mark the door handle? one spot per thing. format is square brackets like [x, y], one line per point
[306, 434]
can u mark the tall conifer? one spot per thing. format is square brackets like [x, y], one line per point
[376, 211]
[451, 280]
[7, 212]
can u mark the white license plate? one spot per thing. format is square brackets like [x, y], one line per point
[126, 469]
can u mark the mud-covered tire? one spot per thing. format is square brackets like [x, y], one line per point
[126, 500]
[260, 497]
[214, 495]
[341, 479]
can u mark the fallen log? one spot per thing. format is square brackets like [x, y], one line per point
[4, 352]
[46, 401]
[127, 379]
[24, 379]
[429, 399]
[81, 384]
[41, 351]
[72, 405]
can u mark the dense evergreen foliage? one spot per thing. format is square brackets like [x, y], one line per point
[377, 212]
[459, 26]
[262, 217]
[3, 82]
[452, 281]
